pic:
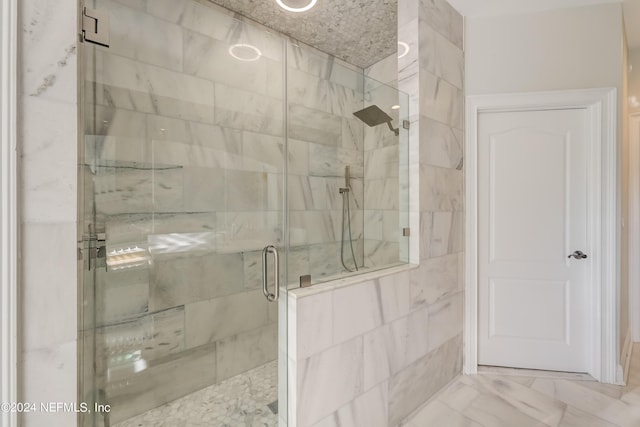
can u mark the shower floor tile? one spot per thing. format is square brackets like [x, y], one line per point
[239, 401]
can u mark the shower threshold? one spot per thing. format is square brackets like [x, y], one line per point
[248, 399]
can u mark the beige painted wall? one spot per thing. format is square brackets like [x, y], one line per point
[555, 50]
[563, 49]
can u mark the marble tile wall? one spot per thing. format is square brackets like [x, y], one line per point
[383, 347]
[158, 106]
[49, 194]
[185, 156]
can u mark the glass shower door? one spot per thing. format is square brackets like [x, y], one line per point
[183, 175]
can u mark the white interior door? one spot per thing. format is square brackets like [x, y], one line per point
[532, 214]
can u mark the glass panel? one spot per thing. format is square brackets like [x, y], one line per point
[386, 179]
[184, 170]
[347, 180]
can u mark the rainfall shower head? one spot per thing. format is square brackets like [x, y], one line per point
[374, 116]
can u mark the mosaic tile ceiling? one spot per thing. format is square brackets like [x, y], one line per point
[361, 32]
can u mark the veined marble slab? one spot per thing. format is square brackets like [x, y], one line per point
[153, 89]
[328, 380]
[178, 281]
[121, 295]
[147, 338]
[369, 409]
[314, 125]
[158, 42]
[242, 109]
[433, 280]
[216, 319]
[157, 384]
[247, 350]
[445, 192]
[412, 386]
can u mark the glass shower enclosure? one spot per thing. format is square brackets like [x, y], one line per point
[221, 161]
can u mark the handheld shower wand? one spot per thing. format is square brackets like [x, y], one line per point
[347, 180]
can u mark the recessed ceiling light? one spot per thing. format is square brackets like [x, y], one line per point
[403, 49]
[297, 9]
[245, 52]
[395, 107]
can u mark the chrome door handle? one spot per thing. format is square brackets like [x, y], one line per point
[578, 255]
[271, 297]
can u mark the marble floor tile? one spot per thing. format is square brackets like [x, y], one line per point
[520, 397]
[574, 417]
[439, 414]
[590, 401]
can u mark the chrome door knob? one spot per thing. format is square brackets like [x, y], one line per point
[578, 255]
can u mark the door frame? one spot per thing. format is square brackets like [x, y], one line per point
[634, 225]
[9, 223]
[603, 204]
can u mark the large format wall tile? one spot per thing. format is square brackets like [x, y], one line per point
[314, 126]
[212, 320]
[442, 17]
[379, 253]
[445, 320]
[328, 380]
[442, 144]
[313, 325]
[159, 383]
[224, 141]
[413, 386]
[120, 190]
[150, 338]
[307, 90]
[209, 59]
[348, 323]
[247, 350]
[369, 409]
[178, 281]
[445, 192]
[50, 376]
[450, 64]
[442, 100]
[157, 41]
[264, 153]
[45, 241]
[49, 168]
[166, 92]
[435, 279]
[115, 134]
[48, 179]
[242, 109]
[121, 295]
[49, 58]
[204, 189]
[343, 101]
